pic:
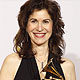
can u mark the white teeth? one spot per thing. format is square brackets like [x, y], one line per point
[39, 34]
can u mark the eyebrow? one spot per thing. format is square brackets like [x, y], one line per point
[32, 19]
[36, 19]
[48, 19]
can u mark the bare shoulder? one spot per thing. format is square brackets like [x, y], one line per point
[67, 63]
[12, 60]
[12, 57]
[68, 69]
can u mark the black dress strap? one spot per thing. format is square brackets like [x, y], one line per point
[23, 72]
[28, 70]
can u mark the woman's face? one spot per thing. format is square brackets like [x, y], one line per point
[39, 27]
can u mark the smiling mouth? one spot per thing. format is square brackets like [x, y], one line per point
[39, 35]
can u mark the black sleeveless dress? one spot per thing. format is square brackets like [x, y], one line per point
[28, 70]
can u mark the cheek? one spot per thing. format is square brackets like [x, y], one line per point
[29, 28]
[49, 28]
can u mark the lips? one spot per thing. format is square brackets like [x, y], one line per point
[39, 35]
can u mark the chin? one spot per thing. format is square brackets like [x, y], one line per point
[40, 43]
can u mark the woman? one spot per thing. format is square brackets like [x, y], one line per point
[38, 45]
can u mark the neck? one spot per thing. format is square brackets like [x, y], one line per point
[41, 50]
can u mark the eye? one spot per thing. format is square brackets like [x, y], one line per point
[45, 21]
[33, 21]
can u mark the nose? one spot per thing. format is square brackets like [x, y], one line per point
[40, 27]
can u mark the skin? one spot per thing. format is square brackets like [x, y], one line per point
[39, 28]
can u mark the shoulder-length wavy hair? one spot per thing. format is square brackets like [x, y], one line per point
[22, 42]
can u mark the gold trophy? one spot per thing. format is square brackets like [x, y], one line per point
[51, 69]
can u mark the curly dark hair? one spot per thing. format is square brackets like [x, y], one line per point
[23, 46]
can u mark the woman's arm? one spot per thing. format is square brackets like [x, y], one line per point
[69, 70]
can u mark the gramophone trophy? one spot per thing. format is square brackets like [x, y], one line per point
[51, 69]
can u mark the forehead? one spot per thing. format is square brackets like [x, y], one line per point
[40, 14]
